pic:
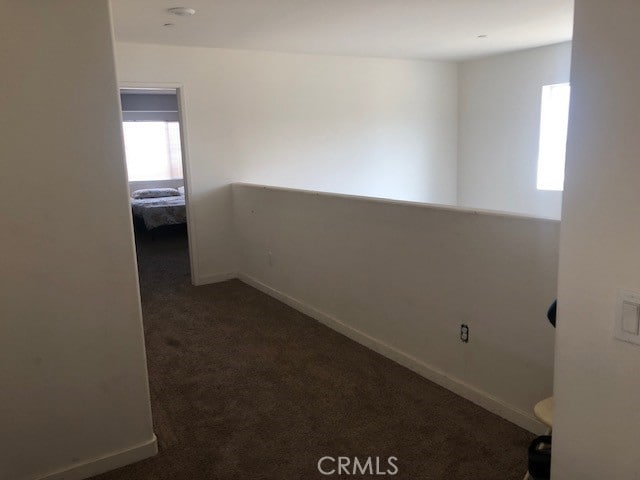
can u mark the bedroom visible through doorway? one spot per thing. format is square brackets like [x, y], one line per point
[153, 140]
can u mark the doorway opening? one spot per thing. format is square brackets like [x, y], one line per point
[155, 158]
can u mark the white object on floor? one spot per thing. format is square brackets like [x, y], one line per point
[544, 412]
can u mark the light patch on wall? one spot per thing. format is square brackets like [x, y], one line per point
[554, 121]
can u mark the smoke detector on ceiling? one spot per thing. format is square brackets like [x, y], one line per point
[182, 11]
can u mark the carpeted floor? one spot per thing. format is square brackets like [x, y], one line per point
[244, 387]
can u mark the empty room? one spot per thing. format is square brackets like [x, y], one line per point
[283, 239]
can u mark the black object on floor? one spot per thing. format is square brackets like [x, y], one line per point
[540, 458]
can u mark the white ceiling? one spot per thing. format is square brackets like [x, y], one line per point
[427, 29]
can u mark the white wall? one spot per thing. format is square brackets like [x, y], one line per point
[597, 418]
[377, 127]
[402, 277]
[72, 363]
[499, 127]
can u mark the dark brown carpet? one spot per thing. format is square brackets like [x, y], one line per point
[244, 387]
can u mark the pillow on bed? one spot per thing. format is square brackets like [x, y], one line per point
[181, 191]
[155, 193]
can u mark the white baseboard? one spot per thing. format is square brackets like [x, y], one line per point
[106, 463]
[215, 278]
[483, 399]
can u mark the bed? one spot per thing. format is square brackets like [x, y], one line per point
[159, 207]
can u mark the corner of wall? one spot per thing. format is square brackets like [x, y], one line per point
[107, 463]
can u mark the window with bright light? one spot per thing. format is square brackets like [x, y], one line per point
[554, 122]
[153, 150]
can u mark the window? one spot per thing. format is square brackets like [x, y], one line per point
[554, 121]
[153, 150]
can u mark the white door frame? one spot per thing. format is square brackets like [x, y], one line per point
[186, 164]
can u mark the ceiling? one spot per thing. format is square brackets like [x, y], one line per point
[426, 29]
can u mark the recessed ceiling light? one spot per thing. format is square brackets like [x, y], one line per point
[167, 25]
[182, 11]
[483, 36]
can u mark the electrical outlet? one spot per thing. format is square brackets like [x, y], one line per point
[464, 333]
